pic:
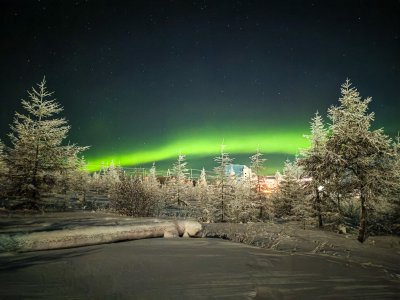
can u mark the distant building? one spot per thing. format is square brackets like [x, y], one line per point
[238, 171]
[268, 184]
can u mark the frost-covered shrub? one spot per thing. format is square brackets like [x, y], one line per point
[129, 197]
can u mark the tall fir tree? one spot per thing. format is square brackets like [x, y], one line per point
[357, 154]
[202, 178]
[257, 167]
[289, 191]
[223, 180]
[152, 177]
[37, 155]
[312, 161]
[153, 188]
[203, 195]
[180, 173]
[241, 208]
[111, 175]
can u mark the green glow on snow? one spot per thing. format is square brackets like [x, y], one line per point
[205, 143]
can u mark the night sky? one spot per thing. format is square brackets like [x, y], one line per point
[141, 81]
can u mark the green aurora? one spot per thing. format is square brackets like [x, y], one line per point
[207, 143]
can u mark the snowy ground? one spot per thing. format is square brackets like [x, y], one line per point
[379, 251]
[294, 263]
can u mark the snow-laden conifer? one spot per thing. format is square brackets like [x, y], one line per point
[202, 178]
[289, 192]
[257, 167]
[203, 194]
[313, 163]
[360, 156]
[112, 175]
[153, 188]
[179, 172]
[223, 180]
[38, 155]
[241, 208]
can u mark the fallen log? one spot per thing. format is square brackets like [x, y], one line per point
[69, 238]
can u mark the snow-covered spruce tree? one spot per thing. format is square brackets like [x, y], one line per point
[202, 178]
[289, 192]
[223, 180]
[204, 197]
[98, 182]
[361, 156]
[241, 208]
[303, 208]
[312, 161]
[151, 180]
[95, 182]
[37, 155]
[257, 167]
[111, 175]
[178, 183]
[153, 188]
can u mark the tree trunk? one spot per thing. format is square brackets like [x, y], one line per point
[35, 182]
[318, 202]
[179, 200]
[338, 203]
[222, 208]
[222, 203]
[363, 220]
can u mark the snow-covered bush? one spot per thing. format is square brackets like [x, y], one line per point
[129, 197]
[103, 181]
